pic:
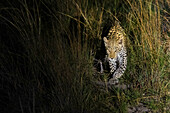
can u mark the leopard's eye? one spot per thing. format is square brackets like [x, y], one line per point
[108, 46]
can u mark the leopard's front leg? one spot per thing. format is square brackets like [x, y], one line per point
[122, 63]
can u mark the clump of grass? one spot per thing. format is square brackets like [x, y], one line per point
[147, 60]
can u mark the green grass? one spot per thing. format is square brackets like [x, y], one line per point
[47, 59]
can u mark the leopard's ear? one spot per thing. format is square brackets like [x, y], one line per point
[105, 39]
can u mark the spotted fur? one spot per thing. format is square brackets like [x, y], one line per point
[116, 52]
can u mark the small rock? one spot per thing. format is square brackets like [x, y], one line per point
[131, 109]
[140, 108]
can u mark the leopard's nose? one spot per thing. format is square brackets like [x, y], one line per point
[111, 59]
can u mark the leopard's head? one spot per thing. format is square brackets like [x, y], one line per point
[114, 41]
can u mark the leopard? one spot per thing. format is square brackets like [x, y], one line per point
[116, 52]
